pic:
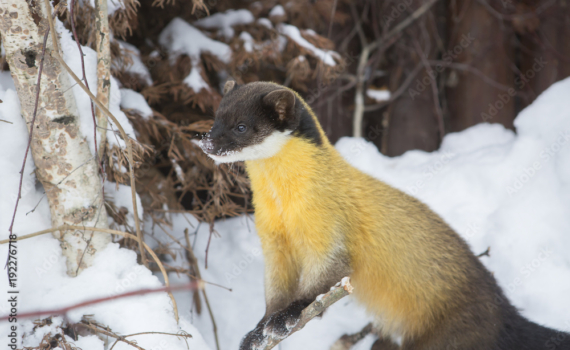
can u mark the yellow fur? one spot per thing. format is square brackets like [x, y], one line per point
[309, 201]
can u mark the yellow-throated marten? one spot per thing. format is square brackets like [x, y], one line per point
[320, 219]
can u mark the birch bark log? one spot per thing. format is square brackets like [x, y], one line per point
[64, 163]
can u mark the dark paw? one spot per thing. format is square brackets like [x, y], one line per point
[253, 340]
[282, 322]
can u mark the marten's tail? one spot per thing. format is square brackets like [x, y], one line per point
[522, 334]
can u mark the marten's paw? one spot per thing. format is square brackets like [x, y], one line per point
[254, 340]
[280, 324]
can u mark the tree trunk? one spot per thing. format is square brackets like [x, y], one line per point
[415, 119]
[64, 163]
[480, 41]
[545, 52]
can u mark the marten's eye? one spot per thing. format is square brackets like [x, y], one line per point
[241, 128]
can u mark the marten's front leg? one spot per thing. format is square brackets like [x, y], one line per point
[281, 284]
[280, 323]
[281, 318]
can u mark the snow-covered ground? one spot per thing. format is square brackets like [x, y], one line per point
[498, 189]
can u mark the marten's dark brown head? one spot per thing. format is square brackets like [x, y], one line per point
[254, 121]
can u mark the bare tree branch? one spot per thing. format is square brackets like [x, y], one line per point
[103, 47]
[347, 341]
[317, 307]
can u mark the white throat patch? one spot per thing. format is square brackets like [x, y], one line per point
[269, 147]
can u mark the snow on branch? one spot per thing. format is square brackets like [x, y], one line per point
[224, 21]
[293, 33]
[181, 38]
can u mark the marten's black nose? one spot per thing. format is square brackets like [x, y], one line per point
[207, 144]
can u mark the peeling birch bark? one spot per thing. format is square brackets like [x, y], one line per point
[64, 163]
[103, 47]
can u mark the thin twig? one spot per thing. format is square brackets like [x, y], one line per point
[64, 228]
[38, 88]
[404, 24]
[208, 245]
[182, 335]
[191, 286]
[110, 334]
[115, 121]
[398, 92]
[72, 22]
[485, 253]
[469, 68]
[435, 95]
[332, 18]
[103, 47]
[360, 81]
[347, 341]
[194, 262]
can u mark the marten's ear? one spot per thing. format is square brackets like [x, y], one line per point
[282, 101]
[229, 86]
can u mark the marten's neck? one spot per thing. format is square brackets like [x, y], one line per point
[300, 159]
[309, 127]
[293, 168]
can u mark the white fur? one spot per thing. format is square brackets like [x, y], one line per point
[269, 147]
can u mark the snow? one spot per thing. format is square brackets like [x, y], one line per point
[277, 11]
[6, 81]
[181, 38]
[311, 32]
[294, 34]
[137, 67]
[378, 95]
[113, 135]
[72, 56]
[131, 99]
[225, 20]
[497, 189]
[248, 41]
[265, 22]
